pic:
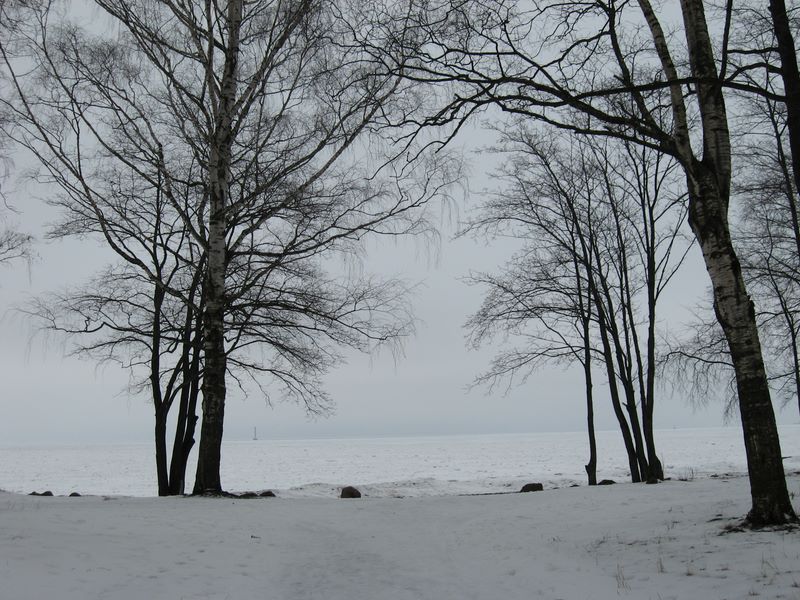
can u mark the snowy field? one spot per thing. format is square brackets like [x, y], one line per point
[674, 540]
[659, 542]
[384, 467]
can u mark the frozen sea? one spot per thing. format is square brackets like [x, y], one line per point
[388, 467]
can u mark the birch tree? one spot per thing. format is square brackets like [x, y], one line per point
[613, 62]
[766, 229]
[769, 226]
[250, 120]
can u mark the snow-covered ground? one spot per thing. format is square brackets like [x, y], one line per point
[660, 542]
[384, 467]
[413, 536]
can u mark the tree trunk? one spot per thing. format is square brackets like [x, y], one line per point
[180, 456]
[215, 367]
[177, 467]
[633, 459]
[591, 466]
[582, 259]
[207, 479]
[648, 399]
[791, 85]
[187, 441]
[624, 354]
[186, 421]
[633, 416]
[708, 181]
[184, 431]
[791, 81]
[161, 407]
[161, 452]
[632, 433]
[736, 314]
[796, 364]
[626, 338]
[586, 323]
[184, 435]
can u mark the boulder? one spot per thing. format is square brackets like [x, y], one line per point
[606, 482]
[532, 487]
[74, 495]
[350, 492]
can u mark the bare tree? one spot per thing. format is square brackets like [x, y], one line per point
[790, 77]
[767, 228]
[613, 62]
[122, 317]
[601, 225]
[770, 242]
[245, 120]
[144, 311]
[14, 245]
[699, 363]
[541, 299]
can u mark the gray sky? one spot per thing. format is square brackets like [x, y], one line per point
[49, 398]
[46, 397]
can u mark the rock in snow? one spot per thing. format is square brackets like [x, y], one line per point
[350, 492]
[532, 487]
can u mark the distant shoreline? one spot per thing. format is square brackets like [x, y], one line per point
[359, 437]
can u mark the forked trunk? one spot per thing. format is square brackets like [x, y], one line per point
[187, 415]
[708, 181]
[630, 448]
[184, 440]
[633, 417]
[649, 393]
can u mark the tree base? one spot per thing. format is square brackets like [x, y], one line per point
[759, 519]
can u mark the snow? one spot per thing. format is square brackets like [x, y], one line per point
[633, 541]
[414, 535]
[443, 465]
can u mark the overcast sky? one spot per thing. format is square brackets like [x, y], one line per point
[49, 398]
[46, 397]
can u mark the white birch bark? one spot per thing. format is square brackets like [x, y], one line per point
[207, 479]
[709, 179]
